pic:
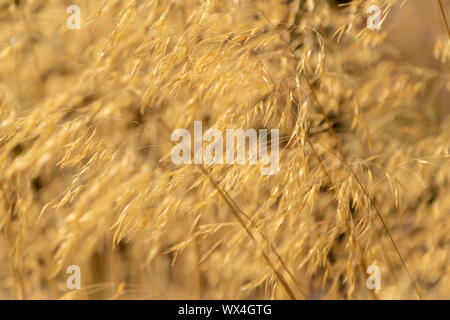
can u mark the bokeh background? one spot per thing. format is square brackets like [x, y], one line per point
[85, 171]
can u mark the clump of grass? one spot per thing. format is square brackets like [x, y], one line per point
[86, 178]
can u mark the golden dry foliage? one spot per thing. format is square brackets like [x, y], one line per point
[86, 176]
